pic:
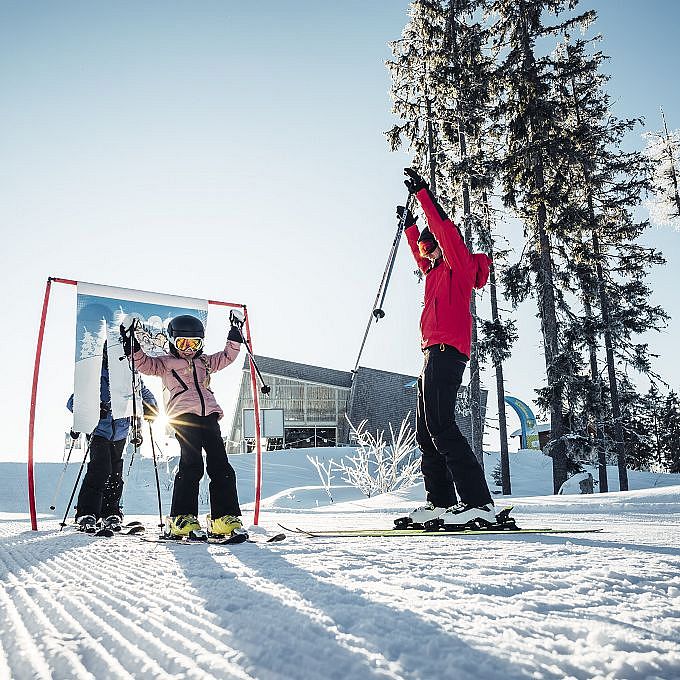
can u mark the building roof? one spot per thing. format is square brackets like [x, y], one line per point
[295, 371]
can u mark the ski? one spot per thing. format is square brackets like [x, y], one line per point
[229, 540]
[388, 533]
[103, 532]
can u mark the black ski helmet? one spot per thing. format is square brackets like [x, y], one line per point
[185, 326]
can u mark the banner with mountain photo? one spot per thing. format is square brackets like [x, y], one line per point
[100, 311]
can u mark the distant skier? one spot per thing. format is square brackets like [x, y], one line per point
[194, 414]
[102, 487]
[451, 272]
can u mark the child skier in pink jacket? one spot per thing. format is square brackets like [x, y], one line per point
[194, 414]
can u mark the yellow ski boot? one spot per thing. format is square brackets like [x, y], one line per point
[182, 527]
[226, 529]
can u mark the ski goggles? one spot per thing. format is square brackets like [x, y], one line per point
[183, 344]
[426, 247]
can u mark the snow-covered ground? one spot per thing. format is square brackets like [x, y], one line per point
[602, 605]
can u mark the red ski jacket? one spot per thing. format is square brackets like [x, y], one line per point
[446, 317]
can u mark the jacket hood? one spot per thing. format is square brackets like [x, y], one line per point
[482, 263]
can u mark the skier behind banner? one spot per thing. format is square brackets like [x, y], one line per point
[98, 504]
[448, 463]
[194, 414]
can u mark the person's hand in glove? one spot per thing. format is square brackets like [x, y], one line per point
[136, 438]
[74, 435]
[237, 319]
[415, 182]
[127, 336]
[409, 220]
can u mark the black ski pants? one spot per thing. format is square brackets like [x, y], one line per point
[102, 485]
[448, 463]
[195, 433]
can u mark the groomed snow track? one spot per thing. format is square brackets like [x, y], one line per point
[499, 608]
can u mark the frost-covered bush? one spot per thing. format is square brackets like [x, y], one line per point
[378, 467]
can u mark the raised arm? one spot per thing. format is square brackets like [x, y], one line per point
[405, 217]
[222, 359]
[149, 365]
[412, 233]
[449, 238]
[454, 250]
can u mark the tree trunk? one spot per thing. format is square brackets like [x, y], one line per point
[611, 365]
[595, 377]
[475, 385]
[500, 395]
[548, 314]
[546, 291]
[674, 177]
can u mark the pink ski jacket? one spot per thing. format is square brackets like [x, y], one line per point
[186, 383]
[446, 317]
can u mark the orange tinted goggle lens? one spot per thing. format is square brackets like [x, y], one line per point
[426, 247]
[189, 343]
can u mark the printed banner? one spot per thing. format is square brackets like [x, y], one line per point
[100, 311]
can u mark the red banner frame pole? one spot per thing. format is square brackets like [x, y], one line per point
[256, 414]
[34, 397]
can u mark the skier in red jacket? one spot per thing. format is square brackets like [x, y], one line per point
[451, 272]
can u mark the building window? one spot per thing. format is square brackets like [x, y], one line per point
[300, 437]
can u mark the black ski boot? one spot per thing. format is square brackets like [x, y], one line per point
[86, 523]
[113, 523]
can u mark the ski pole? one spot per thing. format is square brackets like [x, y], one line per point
[131, 330]
[61, 476]
[158, 484]
[75, 486]
[265, 389]
[377, 312]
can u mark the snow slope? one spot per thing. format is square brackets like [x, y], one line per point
[602, 605]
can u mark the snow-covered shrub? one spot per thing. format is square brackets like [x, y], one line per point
[325, 472]
[377, 467]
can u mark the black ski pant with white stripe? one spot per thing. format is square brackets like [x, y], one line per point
[194, 433]
[448, 463]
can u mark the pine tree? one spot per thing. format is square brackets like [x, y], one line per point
[533, 183]
[670, 433]
[600, 245]
[418, 55]
[663, 149]
[464, 88]
[438, 90]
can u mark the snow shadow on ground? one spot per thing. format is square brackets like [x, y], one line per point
[301, 626]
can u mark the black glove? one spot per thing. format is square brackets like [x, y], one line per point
[130, 344]
[410, 219]
[74, 435]
[415, 182]
[235, 334]
[136, 438]
[236, 319]
[150, 412]
[104, 409]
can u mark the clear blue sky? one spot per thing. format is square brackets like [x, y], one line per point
[234, 151]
